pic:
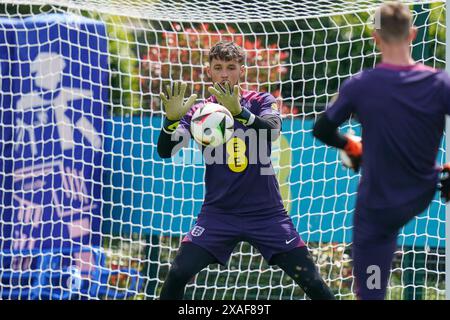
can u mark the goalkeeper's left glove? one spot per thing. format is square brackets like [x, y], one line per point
[445, 182]
[227, 97]
[173, 104]
[351, 155]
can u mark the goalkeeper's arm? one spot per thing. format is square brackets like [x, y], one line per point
[269, 122]
[326, 131]
[171, 140]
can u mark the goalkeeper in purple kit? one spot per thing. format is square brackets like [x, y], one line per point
[401, 105]
[241, 202]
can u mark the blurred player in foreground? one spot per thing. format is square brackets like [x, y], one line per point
[242, 201]
[401, 105]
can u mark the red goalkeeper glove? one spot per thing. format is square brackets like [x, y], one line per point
[351, 155]
[445, 182]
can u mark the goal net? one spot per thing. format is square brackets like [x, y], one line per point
[88, 210]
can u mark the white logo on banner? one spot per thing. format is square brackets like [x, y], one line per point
[46, 70]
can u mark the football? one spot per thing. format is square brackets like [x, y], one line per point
[212, 125]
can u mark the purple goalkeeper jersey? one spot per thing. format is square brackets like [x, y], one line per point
[241, 188]
[402, 113]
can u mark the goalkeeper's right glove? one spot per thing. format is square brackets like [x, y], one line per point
[174, 107]
[445, 182]
[351, 155]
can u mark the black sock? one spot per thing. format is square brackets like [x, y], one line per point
[299, 265]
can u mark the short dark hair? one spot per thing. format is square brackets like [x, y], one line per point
[395, 21]
[226, 51]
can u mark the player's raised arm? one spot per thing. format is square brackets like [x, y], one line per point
[170, 139]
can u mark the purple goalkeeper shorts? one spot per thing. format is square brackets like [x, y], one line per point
[270, 233]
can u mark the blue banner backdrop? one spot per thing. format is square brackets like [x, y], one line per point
[59, 93]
